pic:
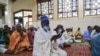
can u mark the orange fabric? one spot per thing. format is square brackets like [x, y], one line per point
[14, 41]
[25, 41]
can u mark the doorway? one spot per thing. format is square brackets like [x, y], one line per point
[24, 17]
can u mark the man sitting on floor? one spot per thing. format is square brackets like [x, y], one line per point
[87, 34]
[66, 40]
[78, 34]
[18, 40]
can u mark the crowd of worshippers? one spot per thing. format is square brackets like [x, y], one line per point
[47, 43]
[17, 39]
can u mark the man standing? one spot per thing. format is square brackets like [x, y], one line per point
[44, 42]
[95, 49]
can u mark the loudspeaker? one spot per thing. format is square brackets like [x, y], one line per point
[13, 0]
[3, 12]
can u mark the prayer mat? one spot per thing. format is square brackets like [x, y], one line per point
[24, 53]
[78, 50]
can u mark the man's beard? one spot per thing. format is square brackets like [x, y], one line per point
[20, 32]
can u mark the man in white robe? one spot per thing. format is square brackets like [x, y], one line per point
[65, 38]
[44, 44]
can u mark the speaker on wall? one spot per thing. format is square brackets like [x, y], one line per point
[3, 12]
[20, 20]
[13, 0]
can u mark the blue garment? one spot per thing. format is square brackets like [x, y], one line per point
[18, 25]
[96, 45]
[87, 35]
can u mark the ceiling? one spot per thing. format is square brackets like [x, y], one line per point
[43, 0]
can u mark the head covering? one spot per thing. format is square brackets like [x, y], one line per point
[44, 19]
[18, 25]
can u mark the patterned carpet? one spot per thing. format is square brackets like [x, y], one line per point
[78, 50]
[74, 50]
[25, 53]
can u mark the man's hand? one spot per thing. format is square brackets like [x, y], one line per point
[66, 45]
[55, 37]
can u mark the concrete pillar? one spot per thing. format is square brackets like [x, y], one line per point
[34, 10]
[8, 18]
[80, 9]
[55, 14]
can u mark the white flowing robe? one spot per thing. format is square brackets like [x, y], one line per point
[43, 45]
[56, 51]
[2, 49]
[65, 38]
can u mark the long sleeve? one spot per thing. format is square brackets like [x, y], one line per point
[86, 35]
[14, 39]
[41, 38]
[93, 33]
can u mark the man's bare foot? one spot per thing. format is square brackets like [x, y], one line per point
[29, 49]
[15, 52]
[9, 52]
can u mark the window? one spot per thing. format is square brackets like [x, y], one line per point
[92, 7]
[67, 8]
[45, 8]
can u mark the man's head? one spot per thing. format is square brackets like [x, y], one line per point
[6, 27]
[18, 27]
[59, 28]
[78, 29]
[89, 28]
[45, 23]
[97, 29]
[31, 28]
[13, 28]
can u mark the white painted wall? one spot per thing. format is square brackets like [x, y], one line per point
[8, 14]
[21, 4]
[75, 23]
[2, 19]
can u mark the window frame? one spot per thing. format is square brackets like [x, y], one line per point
[90, 13]
[49, 9]
[68, 11]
